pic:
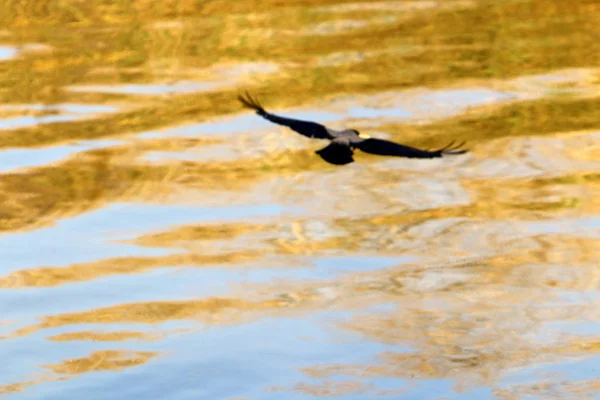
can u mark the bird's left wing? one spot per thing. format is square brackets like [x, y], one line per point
[306, 128]
[387, 148]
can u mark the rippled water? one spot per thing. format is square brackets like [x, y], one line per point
[160, 241]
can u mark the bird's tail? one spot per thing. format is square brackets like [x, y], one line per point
[252, 103]
[338, 152]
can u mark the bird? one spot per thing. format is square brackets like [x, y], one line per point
[340, 150]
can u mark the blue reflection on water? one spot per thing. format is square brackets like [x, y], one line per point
[85, 238]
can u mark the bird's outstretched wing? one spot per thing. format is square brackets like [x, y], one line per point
[306, 128]
[338, 152]
[387, 148]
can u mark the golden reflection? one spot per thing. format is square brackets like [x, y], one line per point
[591, 178]
[103, 360]
[191, 234]
[332, 389]
[111, 174]
[47, 193]
[20, 386]
[551, 389]
[531, 118]
[173, 144]
[429, 27]
[211, 310]
[40, 196]
[15, 387]
[54, 276]
[105, 336]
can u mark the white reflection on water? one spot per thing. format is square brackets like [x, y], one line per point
[148, 89]
[22, 158]
[8, 52]
[227, 126]
[60, 113]
[213, 78]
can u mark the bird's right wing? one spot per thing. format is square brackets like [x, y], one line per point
[387, 148]
[306, 128]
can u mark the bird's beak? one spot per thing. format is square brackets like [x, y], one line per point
[363, 136]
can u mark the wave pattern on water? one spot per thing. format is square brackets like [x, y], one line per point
[158, 241]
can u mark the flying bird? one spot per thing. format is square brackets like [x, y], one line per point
[340, 150]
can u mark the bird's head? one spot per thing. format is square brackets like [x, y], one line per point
[361, 135]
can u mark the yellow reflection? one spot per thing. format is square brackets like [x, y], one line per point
[53, 276]
[213, 310]
[187, 234]
[438, 45]
[551, 389]
[531, 118]
[104, 336]
[333, 388]
[40, 196]
[15, 387]
[105, 360]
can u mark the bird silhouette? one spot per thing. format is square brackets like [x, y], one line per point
[340, 150]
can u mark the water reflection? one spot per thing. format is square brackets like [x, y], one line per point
[391, 5]
[160, 242]
[22, 158]
[7, 52]
[72, 240]
[58, 113]
[102, 360]
[149, 89]
[217, 77]
[11, 52]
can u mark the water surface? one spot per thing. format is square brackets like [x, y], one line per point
[160, 241]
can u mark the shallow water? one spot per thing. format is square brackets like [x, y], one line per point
[160, 241]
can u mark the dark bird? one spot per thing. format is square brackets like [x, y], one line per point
[341, 149]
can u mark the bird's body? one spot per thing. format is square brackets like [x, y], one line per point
[343, 142]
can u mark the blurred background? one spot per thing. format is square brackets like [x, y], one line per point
[159, 241]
